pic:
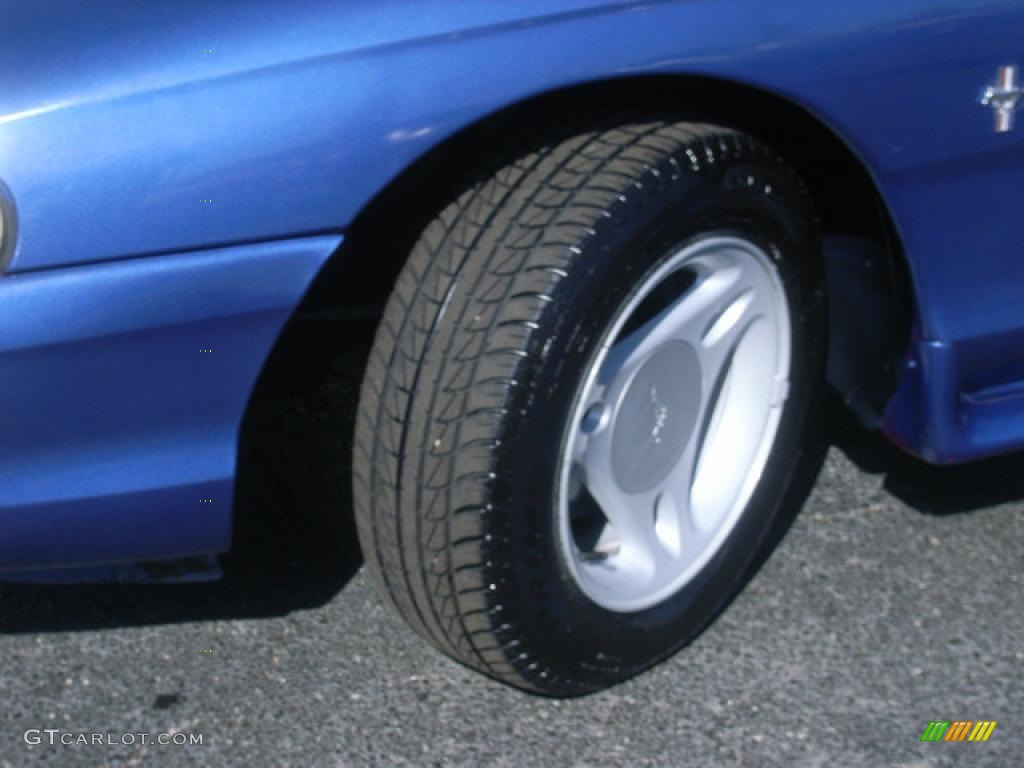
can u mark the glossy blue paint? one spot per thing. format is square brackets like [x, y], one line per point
[119, 429]
[960, 400]
[130, 130]
[114, 128]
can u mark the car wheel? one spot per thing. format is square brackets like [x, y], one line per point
[587, 398]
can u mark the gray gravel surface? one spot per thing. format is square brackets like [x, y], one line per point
[895, 599]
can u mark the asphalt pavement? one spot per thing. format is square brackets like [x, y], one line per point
[894, 600]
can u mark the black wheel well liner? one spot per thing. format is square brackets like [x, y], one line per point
[847, 198]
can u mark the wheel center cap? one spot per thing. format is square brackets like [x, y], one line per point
[656, 417]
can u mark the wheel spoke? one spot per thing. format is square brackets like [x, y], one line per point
[625, 512]
[692, 310]
[730, 421]
[743, 304]
[674, 521]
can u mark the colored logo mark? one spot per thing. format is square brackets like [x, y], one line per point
[958, 730]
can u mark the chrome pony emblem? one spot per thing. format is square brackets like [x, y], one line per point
[660, 416]
[1003, 97]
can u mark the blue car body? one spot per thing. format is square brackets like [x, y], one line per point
[176, 175]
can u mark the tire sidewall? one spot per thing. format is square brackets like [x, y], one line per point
[752, 197]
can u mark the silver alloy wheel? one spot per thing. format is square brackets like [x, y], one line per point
[676, 418]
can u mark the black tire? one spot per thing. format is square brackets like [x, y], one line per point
[478, 359]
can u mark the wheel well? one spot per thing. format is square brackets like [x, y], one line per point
[357, 280]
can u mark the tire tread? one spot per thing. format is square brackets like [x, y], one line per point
[450, 347]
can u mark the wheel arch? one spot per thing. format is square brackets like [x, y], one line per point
[357, 280]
